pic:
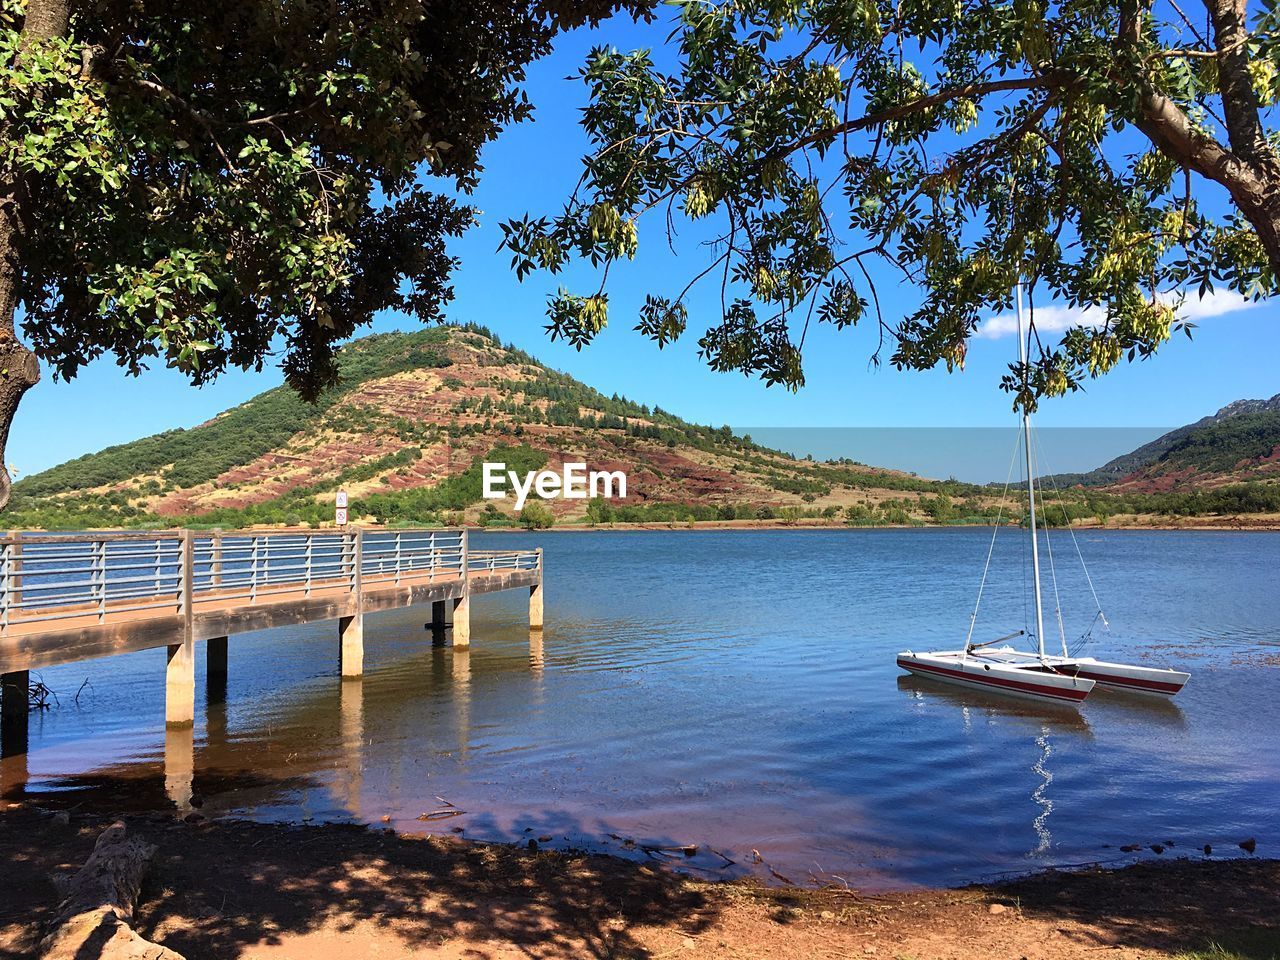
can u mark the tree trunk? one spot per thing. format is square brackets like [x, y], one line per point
[19, 371]
[94, 917]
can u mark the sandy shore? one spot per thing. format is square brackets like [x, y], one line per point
[233, 889]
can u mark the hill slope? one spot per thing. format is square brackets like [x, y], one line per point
[1239, 443]
[406, 432]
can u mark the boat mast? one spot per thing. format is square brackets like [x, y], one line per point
[1031, 483]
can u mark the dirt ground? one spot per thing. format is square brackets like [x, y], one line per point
[233, 889]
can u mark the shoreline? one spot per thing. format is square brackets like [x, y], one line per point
[233, 888]
[1269, 526]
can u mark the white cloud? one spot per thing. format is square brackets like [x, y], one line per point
[1058, 319]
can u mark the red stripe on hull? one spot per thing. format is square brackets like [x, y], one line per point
[1001, 683]
[1155, 686]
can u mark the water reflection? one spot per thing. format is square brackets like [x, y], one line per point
[14, 770]
[1028, 713]
[179, 766]
[1041, 719]
[537, 657]
[351, 737]
[1118, 707]
[1040, 796]
[15, 733]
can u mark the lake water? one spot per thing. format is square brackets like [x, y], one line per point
[734, 690]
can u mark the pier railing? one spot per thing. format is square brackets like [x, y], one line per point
[46, 577]
[494, 560]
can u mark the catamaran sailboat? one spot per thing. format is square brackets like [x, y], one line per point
[1038, 675]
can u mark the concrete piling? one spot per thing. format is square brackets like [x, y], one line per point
[462, 621]
[15, 698]
[180, 670]
[180, 685]
[351, 653]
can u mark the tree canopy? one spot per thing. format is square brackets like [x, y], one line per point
[1116, 155]
[195, 183]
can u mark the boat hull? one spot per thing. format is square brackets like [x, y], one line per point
[1025, 681]
[1156, 681]
[1122, 676]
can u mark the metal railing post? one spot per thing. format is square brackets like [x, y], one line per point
[357, 546]
[466, 562]
[98, 576]
[306, 591]
[6, 583]
[397, 561]
[215, 558]
[187, 576]
[14, 594]
[253, 569]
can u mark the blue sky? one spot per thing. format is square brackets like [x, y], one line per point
[531, 169]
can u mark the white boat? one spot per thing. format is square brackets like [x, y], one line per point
[990, 670]
[1037, 675]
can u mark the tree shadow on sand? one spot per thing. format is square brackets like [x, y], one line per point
[244, 884]
[1171, 906]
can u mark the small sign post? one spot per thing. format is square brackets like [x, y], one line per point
[340, 509]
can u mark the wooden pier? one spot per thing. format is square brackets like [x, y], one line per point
[69, 597]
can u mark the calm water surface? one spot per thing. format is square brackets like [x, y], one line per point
[736, 690]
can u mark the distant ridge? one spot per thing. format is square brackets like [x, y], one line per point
[1239, 443]
[406, 432]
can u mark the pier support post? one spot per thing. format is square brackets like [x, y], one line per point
[441, 621]
[351, 635]
[180, 673]
[351, 629]
[15, 711]
[216, 669]
[535, 599]
[535, 607]
[216, 658]
[441, 614]
[15, 698]
[462, 621]
[180, 686]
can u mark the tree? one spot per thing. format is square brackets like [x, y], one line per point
[536, 516]
[204, 184]
[963, 144]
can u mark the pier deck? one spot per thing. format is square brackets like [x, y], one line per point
[69, 597]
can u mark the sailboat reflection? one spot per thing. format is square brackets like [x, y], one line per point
[1038, 716]
[1040, 795]
[1042, 719]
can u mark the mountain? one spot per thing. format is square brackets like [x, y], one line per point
[1239, 443]
[406, 432]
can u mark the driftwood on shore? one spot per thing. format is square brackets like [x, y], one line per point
[94, 920]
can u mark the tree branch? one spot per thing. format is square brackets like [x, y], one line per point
[881, 117]
[1239, 102]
